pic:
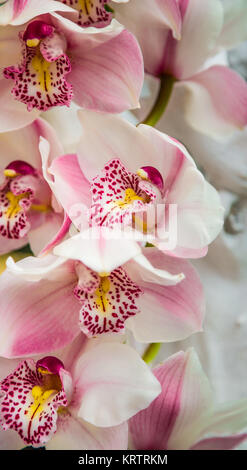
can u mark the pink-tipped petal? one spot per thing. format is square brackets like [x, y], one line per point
[59, 234]
[199, 215]
[146, 269]
[201, 26]
[170, 421]
[151, 26]
[112, 384]
[172, 14]
[41, 314]
[109, 77]
[222, 95]
[70, 186]
[168, 312]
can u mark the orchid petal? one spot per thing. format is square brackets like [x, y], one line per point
[10, 440]
[112, 384]
[44, 234]
[23, 144]
[228, 418]
[170, 421]
[65, 122]
[10, 244]
[106, 136]
[109, 77]
[199, 210]
[220, 443]
[61, 232]
[102, 250]
[234, 27]
[74, 433]
[149, 273]
[13, 114]
[69, 185]
[151, 26]
[221, 111]
[17, 12]
[41, 315]
[168, 312]
[201, 25]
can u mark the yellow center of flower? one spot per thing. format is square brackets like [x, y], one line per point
[14, 206]
[51, 385]
[101, 298]
[42, 70]
[85, 6]
[129, 198]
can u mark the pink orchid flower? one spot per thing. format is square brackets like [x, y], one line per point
[98, 286]
[16, 12]
[78, 399]
[184, 416]
[53, 60]
[29, 212]
[177, 38]
[122, 171]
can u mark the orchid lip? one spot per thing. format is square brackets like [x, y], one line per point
[39, 80]
[153, 175]
[49, 364]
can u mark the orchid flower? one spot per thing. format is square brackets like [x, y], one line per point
[78, 399]
[53, 60]
[177, 38]
[16, 12]
[99, 286]
[29, 212]
[142, 170]
[184, 415]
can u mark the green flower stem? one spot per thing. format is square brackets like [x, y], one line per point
[165, 91]
[151, 352]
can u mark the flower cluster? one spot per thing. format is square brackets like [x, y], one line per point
[100, 217]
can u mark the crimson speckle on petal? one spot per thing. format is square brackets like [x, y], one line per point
[117, 194]
[106, 307]
[90, 12]
[40, 79]
[29, 403]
